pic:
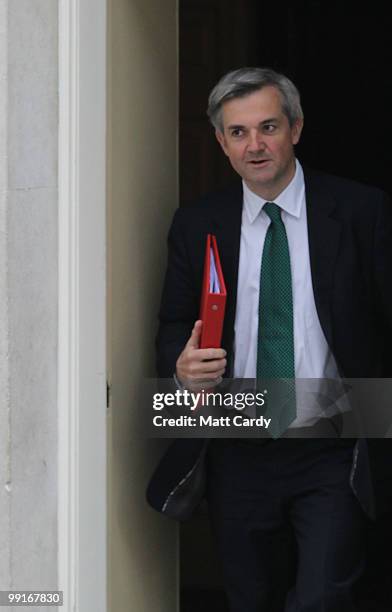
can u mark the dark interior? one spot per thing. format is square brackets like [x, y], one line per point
[339, 56]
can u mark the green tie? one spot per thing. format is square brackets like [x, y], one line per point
[275, 346]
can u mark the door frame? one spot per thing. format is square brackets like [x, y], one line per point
[82, 487]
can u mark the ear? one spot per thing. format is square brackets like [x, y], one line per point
[222, 140]
[296, 131]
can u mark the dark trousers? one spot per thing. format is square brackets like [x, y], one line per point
[255, 491]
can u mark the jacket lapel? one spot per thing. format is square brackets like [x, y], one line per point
[324, 235]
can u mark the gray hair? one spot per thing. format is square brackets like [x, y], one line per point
[245, 81]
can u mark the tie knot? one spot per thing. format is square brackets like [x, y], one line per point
[273, 211]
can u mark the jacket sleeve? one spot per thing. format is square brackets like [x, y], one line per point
[382, 246]
[179, 303]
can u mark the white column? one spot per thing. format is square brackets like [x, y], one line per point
[82, 313]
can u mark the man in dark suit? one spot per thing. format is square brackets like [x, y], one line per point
[306, 258]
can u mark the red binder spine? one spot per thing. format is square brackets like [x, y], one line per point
[212, 306]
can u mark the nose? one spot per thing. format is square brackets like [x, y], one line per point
[255, 141]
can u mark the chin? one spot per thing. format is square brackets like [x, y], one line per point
[265, 179]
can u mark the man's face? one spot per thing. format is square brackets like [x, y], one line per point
[259, 141]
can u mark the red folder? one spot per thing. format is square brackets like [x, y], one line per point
[212, 305]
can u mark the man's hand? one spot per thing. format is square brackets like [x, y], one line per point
[198, 368]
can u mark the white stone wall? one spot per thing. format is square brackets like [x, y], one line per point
[28, 289]
[4, 378]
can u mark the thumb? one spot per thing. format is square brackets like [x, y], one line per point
[194, 340]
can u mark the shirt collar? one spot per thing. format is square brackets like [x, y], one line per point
[289, 200]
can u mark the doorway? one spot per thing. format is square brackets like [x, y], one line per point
[338, 54]
[318, 44]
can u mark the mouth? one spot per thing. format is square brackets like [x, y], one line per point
[259, 162]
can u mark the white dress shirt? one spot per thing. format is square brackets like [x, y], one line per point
[313, 357]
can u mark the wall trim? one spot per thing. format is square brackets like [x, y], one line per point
[82, 571]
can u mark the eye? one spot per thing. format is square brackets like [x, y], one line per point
[269, 128]
[237, 132]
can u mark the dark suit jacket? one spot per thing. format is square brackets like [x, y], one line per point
[350, 245]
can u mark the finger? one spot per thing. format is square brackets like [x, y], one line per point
[197, 369]
[212, 353]
[203, 375]
[194, 340]
[212, 366]
[219, 374]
